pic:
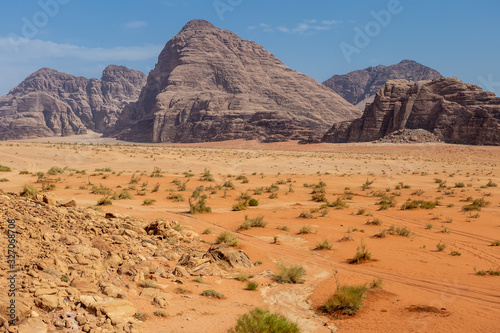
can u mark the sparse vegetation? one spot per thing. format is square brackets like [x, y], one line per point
[307, 229]
[440, 247]
[256, 222]
[212, 293]
[105, 201]
[251, 285]
[292, 274]
[413, 204]
[477, 204]
[148, 202]
[227, 238]
[207, 176]
[148, 284]
[199, 206]
[362, 254]
[4, 168]
[207, 231]
[29, 191]
[347, 300]
[487, 272]
[259, 320]
[160, 313]
[324, 245]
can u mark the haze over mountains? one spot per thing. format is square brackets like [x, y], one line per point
[211, 85]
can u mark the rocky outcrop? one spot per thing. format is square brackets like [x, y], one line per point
[50, 103]
[359, 87]
[211, 85]
[455, 112]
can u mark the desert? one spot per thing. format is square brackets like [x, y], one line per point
[428, 264]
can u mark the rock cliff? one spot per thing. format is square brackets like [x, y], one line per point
[455, 112]
[360, 86]
[50, 103]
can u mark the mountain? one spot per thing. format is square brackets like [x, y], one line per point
[211, 85]
[50, 103]
[360, 87]
[453, 111]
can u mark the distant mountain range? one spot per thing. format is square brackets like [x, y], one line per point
[359, 87]
[211, 85]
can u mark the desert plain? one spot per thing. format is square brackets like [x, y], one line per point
[425, 260]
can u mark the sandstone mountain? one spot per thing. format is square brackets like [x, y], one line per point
[455, 112]
[360, 87]
[50, 103]
[211, 85]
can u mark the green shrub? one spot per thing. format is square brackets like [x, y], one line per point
[177, 197]
[347, 300]
[4, 168]
[3, 180]
[386, 202]
[212, 293]
[227, 238]
[487, 272]
[477, 204]
[412, 204]
[55, 170]
[251, 285]
[293, 274]
[339, 203]
[241, 277]
[495, 243]
[455, 253]
[29, 191]
[256, 222]
[375, 221]
[253, 202]
[228, 184]
[160, 313]
[207, 231]
[362, 254]
[105, 201]
[307, 229]
[262, 321]
[306, 215]
[198, 279]
[207, 176]
[241, 205]
[64, 278]
[440, 247]
[141, 316]
[148, 284]
[324, 245]
[148, 202]
[403, 231]
[491, 184]
[199, 206]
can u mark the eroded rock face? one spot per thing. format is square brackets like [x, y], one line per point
[455, 112]
[362, 85]
[50, 103]
[211, 85]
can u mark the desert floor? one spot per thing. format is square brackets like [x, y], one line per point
[412, 270]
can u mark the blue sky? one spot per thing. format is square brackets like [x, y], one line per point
[319, 38]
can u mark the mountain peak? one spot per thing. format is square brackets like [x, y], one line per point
[199, 24]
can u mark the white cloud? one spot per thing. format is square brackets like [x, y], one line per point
[136, 24]
[23, 49]
[19, 57]
[304, 27]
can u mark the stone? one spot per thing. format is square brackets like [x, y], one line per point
[225, 254]
[453, 111]
[84, 286]
[47, 302]
[69, 203]
[118, 311]
[49, 103]
[360, 86]
[33, 325]
[211, 85]
[49, 199]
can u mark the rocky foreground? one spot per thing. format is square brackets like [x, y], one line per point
[78, 269]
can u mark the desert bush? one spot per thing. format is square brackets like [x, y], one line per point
[283, 227]
[477, 204]
[292, 274]
[148, 284]
[491, 184]
[362, 254]
[156, 188]
[212, 293]
[177, 197]
[141, 316]
[455, 253]
[495, 243]
[386, 202]
[401, 231]
[3, 180]
[207, 231]
[367, 184]
[178, 227]
[440, 247]
[487, 272]
[207, 176]
[273, 195]
[199, 206]
[347, 300]
[361, 211]
[228, 184]
[105, 201]
[253, 202]
[307, 229]
[413, 204]
[55, 170]
[160, 313]
[273, 188]
[429, 226]
[256, 222]
[241, 277]
[339, 203]
[251, 285]
[262, 321]
[324, 245]
[306, 215]
[4, 168]
[102, 190]
[227, 238]
[148, 202]
[198, 279]
[375, 221]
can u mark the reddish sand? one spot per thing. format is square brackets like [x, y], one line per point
[412, 271]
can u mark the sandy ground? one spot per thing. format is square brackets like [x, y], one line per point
[412, 271]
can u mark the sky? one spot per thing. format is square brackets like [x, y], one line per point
[319, 38]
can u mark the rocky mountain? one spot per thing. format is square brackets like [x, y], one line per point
[50, 103]
[455, 112]
[211, 85]
[360, 87]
